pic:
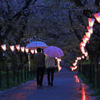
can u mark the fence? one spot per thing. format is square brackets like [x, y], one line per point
[15, 76]
[92, 73]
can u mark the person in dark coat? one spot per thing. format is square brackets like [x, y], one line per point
[39, 60]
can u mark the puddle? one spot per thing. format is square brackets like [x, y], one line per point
[83, 94]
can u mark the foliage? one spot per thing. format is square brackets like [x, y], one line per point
[84, 79]
[56, 22]
[11, 82]
[86, 62]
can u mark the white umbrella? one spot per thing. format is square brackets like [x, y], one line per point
[36, 44]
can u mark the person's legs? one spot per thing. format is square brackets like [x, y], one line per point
[52, 75]
[48, 75]
[38, 72]
[41, 75]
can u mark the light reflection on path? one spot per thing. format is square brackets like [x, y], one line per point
[82, 88]
[65, 88]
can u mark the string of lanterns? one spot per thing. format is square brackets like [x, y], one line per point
[23, 49]
[86, 39]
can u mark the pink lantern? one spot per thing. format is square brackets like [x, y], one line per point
[83, 57]
[88, 34]
[90, 29]
[17, 47]
[3, 47]
[82, 44]
[85, 36]
[81, 47]
[91, 21]
[26, 50]
[12, 48]
[58, 63]
[97, 16]
[22, 49]
[86, 54]
[32, 51]
[35, 51]
[73, 68]
[78, 58]
[83, 50]
[85, 40]
[74, 64]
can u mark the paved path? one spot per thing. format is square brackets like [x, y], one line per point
[66, 87]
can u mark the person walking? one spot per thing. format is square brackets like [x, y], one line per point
[39, 60]
[50, 65]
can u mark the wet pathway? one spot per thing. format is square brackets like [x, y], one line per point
[66, 87]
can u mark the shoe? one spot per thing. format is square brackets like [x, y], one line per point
[51, 83]
[41, 85]
[38, 83]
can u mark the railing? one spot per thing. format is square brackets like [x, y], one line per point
[15, 76]
[91, 73]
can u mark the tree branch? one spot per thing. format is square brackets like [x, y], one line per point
[16, 16]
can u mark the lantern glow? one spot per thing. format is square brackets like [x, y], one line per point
[91, 21]
[78, 58]
[86, 54]
[26, 50]
[22, 49]
[85, 40]
[83, 57]
[32, 51]
[3, 47]
[58, 64]
[73, 68]
[35, 51]
[88, 34]
[90, 29]
[82, 44]
[76, 78]
[97, 16]
[17, 47]
[12, 48]
[74, 64]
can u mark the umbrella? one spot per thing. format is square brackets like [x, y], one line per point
[53, 51]
[36, 44]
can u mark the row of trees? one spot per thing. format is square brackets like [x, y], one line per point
[56, 22]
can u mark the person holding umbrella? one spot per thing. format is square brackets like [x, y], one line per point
[39, 60]
[50, 65]
[52, 52]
